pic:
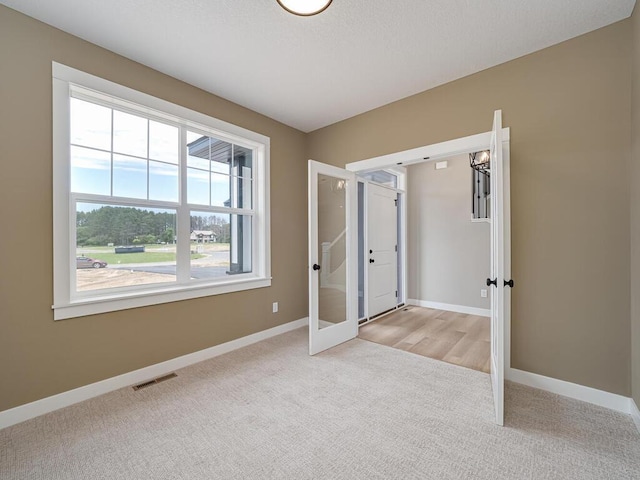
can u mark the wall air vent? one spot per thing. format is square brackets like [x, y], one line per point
[154, 381]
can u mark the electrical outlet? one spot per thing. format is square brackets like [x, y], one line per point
[483, 293]
[275, 307]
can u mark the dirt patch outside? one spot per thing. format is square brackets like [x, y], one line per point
[94, 279]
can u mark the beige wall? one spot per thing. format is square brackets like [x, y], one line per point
[40, 357]
[635, 211]
[448, 255]
[569, 110]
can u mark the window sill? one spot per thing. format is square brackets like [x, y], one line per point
[112, 303]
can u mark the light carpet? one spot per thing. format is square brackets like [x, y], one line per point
[360, 410]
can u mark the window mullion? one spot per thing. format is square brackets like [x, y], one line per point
[223, 210]
[183, 257]
[111, 155]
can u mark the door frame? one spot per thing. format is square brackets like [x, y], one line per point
[439, 151]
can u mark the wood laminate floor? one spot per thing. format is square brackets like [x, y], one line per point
[452, 337]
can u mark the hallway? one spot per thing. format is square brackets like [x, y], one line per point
[455, 338]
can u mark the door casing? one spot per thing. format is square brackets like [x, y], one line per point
[439, 151]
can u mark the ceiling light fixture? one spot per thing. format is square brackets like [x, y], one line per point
[480, 161]
[304, 8]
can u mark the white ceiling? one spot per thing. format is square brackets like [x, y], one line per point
[309, 72]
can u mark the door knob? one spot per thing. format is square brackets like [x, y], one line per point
[316, 266]
[371, 260]
[509, 283]
[493, 282]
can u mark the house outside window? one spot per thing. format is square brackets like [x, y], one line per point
[168, 203]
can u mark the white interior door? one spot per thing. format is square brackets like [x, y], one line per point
[497, 267]
[333, 310]
[382, 242]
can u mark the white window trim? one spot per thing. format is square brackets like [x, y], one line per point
[70, 305]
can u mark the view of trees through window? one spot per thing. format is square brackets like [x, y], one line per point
[122, 246]
[124, 226]
[125, 156]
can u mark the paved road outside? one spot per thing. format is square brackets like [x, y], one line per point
[197, 272]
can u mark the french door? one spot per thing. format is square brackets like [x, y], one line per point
[333, 312]
[333, 254]
[497, 280]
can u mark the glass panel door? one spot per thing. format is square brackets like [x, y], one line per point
[332, 250]
[332, 256]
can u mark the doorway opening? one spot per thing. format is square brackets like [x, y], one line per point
[381, 243]
[446, 312]
[324, 335]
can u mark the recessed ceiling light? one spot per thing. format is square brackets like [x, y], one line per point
[304, 8]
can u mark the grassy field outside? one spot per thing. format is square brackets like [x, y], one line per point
[152, 253]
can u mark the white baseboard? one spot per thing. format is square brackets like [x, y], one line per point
[612, 401]
[61, 400]
[483, 312]
[635, 413]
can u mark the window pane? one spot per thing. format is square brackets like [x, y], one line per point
[129, 134]
[208, 153]
[120, 246]
[193, 136]
[129, 177]
[90, 171]
[163, 142]
[241, 193]
[197, 186]
[220, 244]
[220, 190]
[220, 156]
[198, 150]
[242, 161]
[197, 162]
[163, 181]
[382, 177]
[90, 124]
[210, 255]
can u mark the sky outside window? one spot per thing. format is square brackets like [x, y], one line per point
[116, 153]
[138, 158]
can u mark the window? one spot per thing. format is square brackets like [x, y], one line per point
[152, 202]
[480, 194]
[382, 177]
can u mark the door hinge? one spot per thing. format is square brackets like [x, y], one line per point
[396, 202]
[396, 248]
[396, 293]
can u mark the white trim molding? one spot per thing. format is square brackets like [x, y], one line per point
[436, 151]
[594, 396]
[482, 312]
[635, 413]
[49, 404]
